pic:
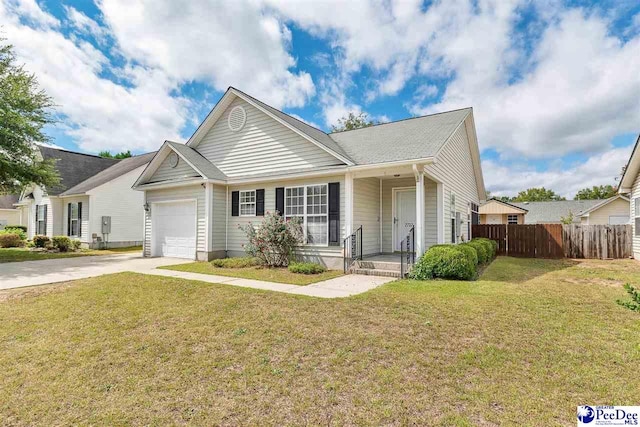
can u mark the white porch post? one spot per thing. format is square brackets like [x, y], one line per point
[208, 220]
[348, 204]
[419, 226]
[440, 212]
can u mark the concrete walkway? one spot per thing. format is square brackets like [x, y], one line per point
[31, 273]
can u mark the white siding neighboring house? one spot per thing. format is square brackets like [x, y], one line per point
[630, 185]
[91, 188]
[248, 158]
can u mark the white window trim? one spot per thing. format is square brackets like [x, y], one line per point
[41, 219]
[77, 220]
[304, 215]
[241, 203]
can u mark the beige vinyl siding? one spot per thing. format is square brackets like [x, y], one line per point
[178, 193]
[430, 213]
[366, 213]
[494, 207]
[601, 216]
[166, 172]
[635, 193]
[85, 237]
[504, 218]
[454, 169]
[237, 237]
[11, 216]
[262, 146]
[218, 209]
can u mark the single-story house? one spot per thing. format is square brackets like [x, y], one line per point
[9, 214]
[611, 211]
[92, 190]
[247, 158]
[495, 211]
[553, 212]
[630, 184]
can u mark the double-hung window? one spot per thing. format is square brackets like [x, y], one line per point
[636, 214]
[512, 219]
[248, 203]
[310, 204]
[41, 220]
[73, 219]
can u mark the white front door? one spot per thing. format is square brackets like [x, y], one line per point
[174, 229]
[405, 215]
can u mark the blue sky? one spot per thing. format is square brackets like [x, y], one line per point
[554, 85]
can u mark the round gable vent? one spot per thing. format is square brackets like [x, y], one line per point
[237, 118]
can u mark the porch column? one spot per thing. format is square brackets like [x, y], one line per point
[208, 219]
[440, 212]
[419, 226]
[348, 204]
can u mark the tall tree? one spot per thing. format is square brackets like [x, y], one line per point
[596, 192]
[352, 121]
[122, 155]
[24, 110]
[539, 194]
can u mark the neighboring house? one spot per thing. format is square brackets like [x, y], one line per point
[554, 211]
[9, 214]
[90, 187]
[611, 211]
[498, 212]
[248, 158]
[630, 184]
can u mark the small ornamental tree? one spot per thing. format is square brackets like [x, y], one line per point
[273, 240]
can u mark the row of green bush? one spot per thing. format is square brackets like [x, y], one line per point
[14, 237]
[244, 262]
[458, 262]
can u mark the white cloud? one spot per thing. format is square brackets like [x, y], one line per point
[507, 179]
[223, 43]
[84, 24]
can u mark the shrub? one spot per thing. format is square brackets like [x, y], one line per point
[306, 268]
[20, 227]
[481, 250]
[10, 240]
[470, 252]
[446, 262]
[491, 245]
[274, 240]
[238, 262]
[75, 244]
[19, 231]
[41, 241]
[634, 304]
[61, 243]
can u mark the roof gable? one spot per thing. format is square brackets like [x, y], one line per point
[504, 208]
[309, 133]
[631, 170]
[603, 203]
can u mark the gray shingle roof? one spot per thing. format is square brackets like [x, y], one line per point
[7, 201]
[402, 140]
[310, 131]
[551, 212]
[74, 168]
[122, 167]
[196, 159]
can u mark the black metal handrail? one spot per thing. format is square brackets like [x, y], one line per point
[352, 249]
[408, 256]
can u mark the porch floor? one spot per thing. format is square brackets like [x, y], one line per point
[383, 258]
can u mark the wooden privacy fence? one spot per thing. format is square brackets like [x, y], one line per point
[557, 240]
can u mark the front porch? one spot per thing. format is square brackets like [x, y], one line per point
[391, 210]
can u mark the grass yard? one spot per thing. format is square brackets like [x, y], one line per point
[279, 275]
[525, 344]
[24, 254]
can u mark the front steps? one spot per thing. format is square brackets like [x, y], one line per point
[376, 268]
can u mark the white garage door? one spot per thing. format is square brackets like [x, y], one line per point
[174, 229]
[618, 219]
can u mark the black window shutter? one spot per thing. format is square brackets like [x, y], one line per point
[334, 213]
[45, 220]
[79, 219]
[235, 203]
[37, 218]
[260, 202]
[68, 219]
[280, 200]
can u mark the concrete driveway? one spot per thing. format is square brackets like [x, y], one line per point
[30, 273]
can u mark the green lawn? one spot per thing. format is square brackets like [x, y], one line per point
[525, 344]
[24, 254]
[279, 275]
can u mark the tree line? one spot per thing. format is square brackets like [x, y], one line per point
[542, 194]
